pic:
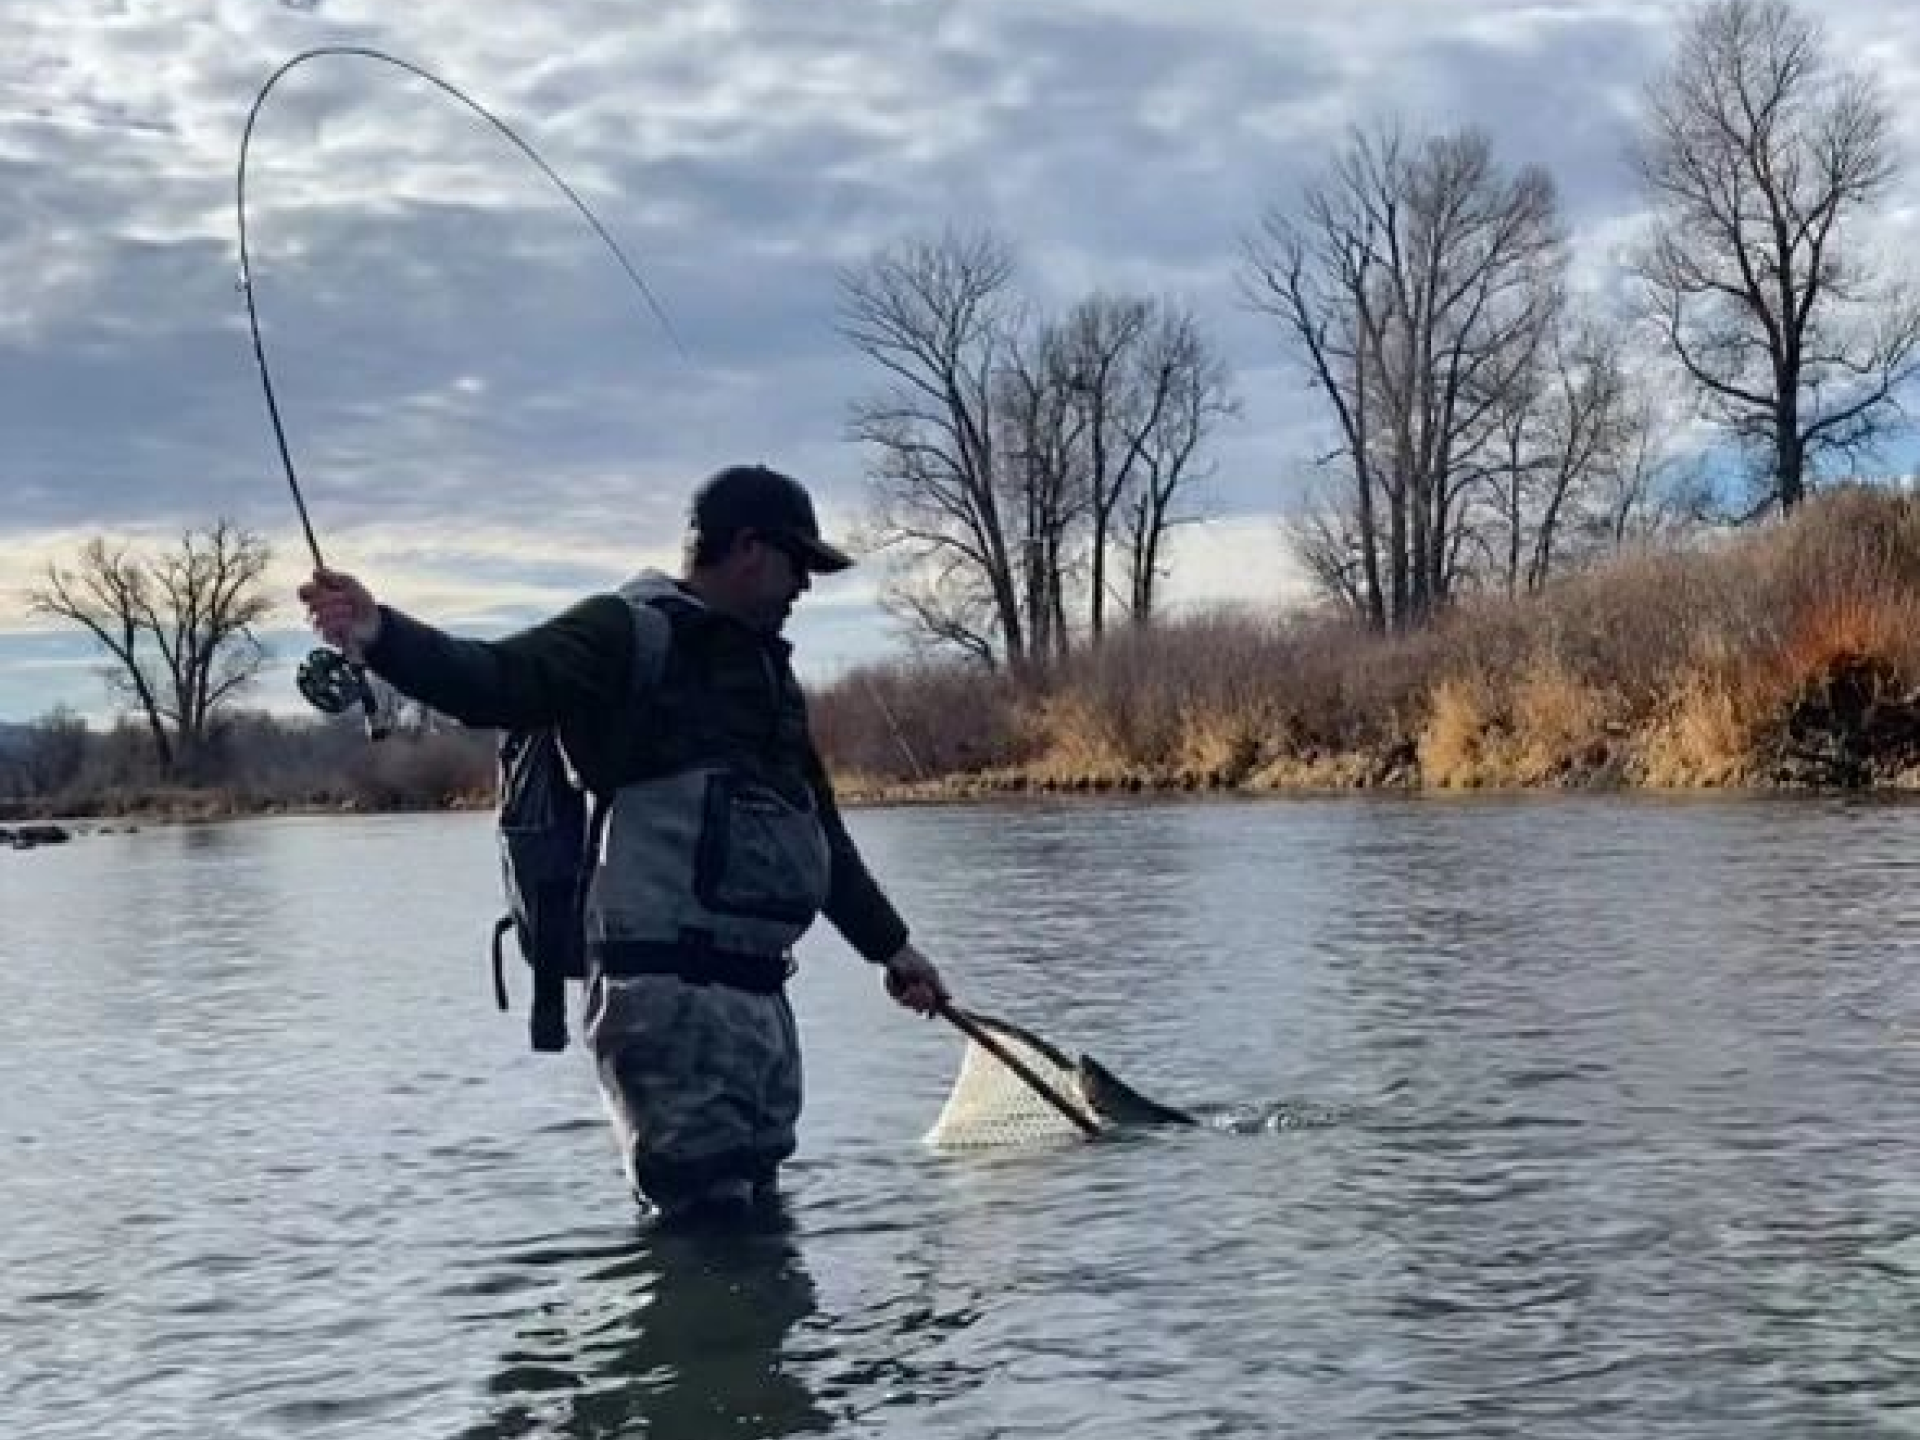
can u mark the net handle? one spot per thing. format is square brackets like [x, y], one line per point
[981, 1036]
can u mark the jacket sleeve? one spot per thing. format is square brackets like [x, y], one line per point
[572, 663]
[856, 905]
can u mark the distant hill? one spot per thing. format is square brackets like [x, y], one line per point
[13, 740]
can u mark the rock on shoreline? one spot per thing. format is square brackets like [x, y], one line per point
[26, 837]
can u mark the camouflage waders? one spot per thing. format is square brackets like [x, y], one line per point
[702, 1082]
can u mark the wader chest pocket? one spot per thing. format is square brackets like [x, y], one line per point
[760, 856]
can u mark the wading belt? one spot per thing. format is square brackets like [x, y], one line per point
[696, 960]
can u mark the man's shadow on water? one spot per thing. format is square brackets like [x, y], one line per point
[684, 1335]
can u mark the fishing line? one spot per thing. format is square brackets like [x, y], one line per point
[329, 680]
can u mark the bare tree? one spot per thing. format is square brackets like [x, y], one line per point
[1128, 390]
[1325, 537]
[56, 747]
[1018, 460]
[177, 627]
[937, 316]
[1319, 278]
[942, 604]
[1180, 391]
[1562, 432]
[1761, 159]
[1100, 342]
[1652, 489]
[1416, 284]
[1046, 479]
[108, 593]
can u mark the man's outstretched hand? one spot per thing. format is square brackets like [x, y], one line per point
[913, 980]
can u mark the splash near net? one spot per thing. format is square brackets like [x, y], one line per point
[992, 1104]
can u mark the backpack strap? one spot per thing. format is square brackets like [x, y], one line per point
[653, 619]
[547, 1011]
[552, 967]
[501, 929]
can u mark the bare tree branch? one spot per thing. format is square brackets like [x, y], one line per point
[1761, 157]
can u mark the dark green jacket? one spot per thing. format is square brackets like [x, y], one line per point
[575, 671]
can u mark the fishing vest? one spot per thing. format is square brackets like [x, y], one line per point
[711, 857]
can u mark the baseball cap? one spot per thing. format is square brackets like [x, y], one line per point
[753, 497]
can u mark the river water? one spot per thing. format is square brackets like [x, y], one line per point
[1552, 1116]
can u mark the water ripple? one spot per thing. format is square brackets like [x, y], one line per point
[1596, 1120]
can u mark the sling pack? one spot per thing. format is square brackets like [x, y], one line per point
[545, 842]
[547, 830]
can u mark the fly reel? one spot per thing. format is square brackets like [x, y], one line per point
[333, 684]
[329, 681]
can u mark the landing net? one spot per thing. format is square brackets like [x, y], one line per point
[989, 1105]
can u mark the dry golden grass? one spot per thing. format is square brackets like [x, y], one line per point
[1706, 732]
[1541, 726]
[1560, 723]
[1453, 745]
[1703, 739]
[1674, 669]
[1070, 735]
[1348, 771]
[1220, 745]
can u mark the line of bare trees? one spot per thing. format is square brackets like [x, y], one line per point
[1492, 428]
[1028, 469]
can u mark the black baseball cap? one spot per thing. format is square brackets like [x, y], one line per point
[753, 497]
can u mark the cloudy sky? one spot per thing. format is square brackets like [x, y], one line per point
[485, 420]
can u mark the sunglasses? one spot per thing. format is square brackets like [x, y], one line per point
[789, 547]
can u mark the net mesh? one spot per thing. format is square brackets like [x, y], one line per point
[990, 1105]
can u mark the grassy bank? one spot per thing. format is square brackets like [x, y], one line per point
[262, 766]
[1786, 656]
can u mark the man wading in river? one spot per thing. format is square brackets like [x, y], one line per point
[719, 840]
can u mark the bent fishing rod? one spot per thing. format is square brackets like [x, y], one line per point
[331, 680]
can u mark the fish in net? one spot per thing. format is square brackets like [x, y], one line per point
[993, 1104]
[1015, 1089]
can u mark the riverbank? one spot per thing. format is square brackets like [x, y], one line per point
[1863, 741]
[1786, 657]
[1608, 768]
[1840, 758]
[1781, 658]
[1836, 763]
[128, 812]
